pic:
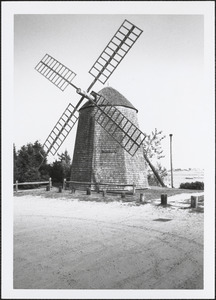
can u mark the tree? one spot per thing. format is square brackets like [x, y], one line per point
[61, 168]
[152, 144]
[65, 163]
[27, 161]
[152, 149]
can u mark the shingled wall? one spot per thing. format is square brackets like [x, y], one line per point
[83, 151]
[111, 163]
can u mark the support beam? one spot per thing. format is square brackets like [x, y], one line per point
[154, 170]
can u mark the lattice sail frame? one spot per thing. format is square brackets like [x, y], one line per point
[61, 130]
[55, 72]
[114, 122]
[115, 51]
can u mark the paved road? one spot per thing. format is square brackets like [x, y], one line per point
[62, 244]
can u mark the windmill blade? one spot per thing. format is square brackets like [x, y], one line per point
[129, 136]
[115, 51]
[61, 130]
[55, 72]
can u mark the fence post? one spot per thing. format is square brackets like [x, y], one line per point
[123, 195]
[50, 183]
[16, 185]
[142, 198]
[97, 187]
[134, 188]
[163, 199]
[64, 184]
[88, 191]
[194, 201]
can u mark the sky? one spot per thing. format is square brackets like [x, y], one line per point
[162, 76]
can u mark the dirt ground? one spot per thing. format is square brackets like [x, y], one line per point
[75, 241]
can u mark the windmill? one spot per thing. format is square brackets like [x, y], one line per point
[107, 115]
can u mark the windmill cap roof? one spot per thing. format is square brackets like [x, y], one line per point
[114, 98]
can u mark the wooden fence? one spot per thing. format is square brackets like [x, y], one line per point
[29, 183]
[99, 186]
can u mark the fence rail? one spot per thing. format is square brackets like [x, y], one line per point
[99, 184]
[29, 183]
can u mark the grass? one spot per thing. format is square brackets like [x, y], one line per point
[149, 194]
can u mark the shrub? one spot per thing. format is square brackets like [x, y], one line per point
[192, 185]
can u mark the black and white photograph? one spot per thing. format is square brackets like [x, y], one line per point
[108, 150]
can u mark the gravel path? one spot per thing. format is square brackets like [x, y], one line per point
[72, 244]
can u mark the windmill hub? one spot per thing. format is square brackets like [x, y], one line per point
[85, 94]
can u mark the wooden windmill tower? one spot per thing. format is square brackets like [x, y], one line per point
[97, 156]
[108, 138]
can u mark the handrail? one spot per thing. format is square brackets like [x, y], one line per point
[97, 184]
[29, 183]
[100, 183]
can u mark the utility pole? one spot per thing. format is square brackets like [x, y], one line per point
[171, 168]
